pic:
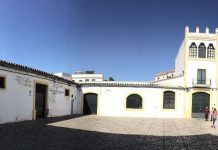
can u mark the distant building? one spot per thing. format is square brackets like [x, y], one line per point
[87, 76]
[81, 76]
[165, 75]
[64, 75]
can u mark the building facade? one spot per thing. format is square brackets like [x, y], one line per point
[87, 76]
[184, 92]
[180, 93]
[27, 93]
[82, 76]
[165, 75]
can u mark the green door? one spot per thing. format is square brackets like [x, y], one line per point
[199, 101]
[90, 103]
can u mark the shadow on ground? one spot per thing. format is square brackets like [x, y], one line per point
[36, 135]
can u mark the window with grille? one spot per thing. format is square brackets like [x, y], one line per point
[67, 92]
[169, 100]
[202, 51]
[134, 101]
[211, 52]
[2, 82]
[193, 50]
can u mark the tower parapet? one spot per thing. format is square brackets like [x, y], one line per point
[186, 29]
[216, 31]
[197, 30]
[207, 30]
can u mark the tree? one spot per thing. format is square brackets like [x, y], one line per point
[111, 79]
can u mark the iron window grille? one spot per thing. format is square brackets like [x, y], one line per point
[202, 51]
[169, 100]
[211, 52]
[193, 50]
[134, 101]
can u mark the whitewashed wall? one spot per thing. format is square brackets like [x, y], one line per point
[193, 66]
[179, 61]
[112, 102]
[177, 81]
[16, 101]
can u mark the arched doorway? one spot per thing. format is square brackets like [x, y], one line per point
[90, 103]
[199, 101]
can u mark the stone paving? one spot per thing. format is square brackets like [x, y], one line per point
[140, 126]
[98, 133]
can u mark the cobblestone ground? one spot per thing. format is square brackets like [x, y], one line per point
[94, 133]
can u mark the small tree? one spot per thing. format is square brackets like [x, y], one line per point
[111, 79]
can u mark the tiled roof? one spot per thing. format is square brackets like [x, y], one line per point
[165, 73]
[126, 84]
[34, 71]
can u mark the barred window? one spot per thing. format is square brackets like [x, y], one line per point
[2, 82]
[134, 101]
[202, 51]
[211, 52]
[67, 92]
[193, 50]
[169, 100]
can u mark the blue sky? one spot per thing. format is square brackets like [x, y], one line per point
[126, 39]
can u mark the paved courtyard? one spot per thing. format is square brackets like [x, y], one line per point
[96, 132]
[140, 126]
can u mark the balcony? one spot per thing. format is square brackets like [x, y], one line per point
[201, 82]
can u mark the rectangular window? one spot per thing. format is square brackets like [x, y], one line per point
[2, 82]
[201, 77]
[67, 92]
[86, 79]
[93, 79]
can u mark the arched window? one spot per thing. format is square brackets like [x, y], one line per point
[210, 51]
[202, 51]
[193, 50]
[169, 100]
[134, 101]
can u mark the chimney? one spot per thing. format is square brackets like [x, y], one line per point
[197, 30]
[207, 30]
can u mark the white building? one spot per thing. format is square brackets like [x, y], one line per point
[184, 94]
[26, 93]
[81, 76]
[87, 76]
[64, 75]
[165, 75]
